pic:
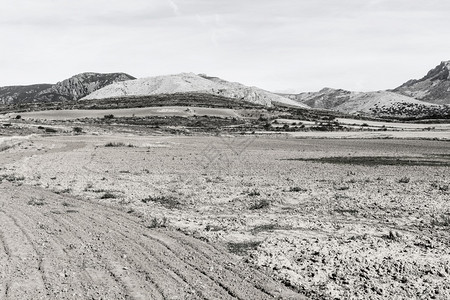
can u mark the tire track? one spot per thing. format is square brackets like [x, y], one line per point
[86, 250]
[200, 264]
[22, 256]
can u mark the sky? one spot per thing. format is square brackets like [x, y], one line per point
[277, 45]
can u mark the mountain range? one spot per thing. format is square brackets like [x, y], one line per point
[425, 97]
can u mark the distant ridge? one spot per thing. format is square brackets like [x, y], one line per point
[73, 88]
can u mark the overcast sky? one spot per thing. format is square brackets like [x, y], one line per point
[298, 45]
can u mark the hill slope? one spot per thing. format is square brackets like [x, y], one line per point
[188, 83]
[389, 104]
[379, 104]
[72, 88]
[326, 98]
[433, 87]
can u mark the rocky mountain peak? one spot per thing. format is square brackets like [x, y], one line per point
[434, 87]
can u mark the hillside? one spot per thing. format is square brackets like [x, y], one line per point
[72, 88]
[433, 87]
[189, 83]
[428, 97]
[389, 104]
[326, 98]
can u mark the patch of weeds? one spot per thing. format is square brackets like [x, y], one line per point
[108, 195]
[213, 228]
[442, 221]
[119, 144]
[404, 179]
[12, 178]
[166, 201]
[50, 130]
[444, 188]
[351, 211]
[264, 227]
[66, 204]
[379, 160]
[297, 189]
[71, 211]
[158, 222]
[5, 147]
[36, 202]
[260, 204]
[253, 193]
[243, 248]
[393, 236]
[65, 191]
[342, 188]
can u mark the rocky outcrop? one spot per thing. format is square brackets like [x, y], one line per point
[72, 88]
[433, 87]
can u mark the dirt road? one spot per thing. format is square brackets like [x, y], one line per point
[60, 247]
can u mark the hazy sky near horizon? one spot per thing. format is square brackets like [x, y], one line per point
[278, 45]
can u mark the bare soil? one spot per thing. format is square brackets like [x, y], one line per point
[61, 247]
[262, 217]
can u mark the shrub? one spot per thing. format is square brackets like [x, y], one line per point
[260, 204]
[108, 116]
[108, 195]
[50, 130]
[443, 221]
[166, 201]
[158, 223]
[36, 202]
[393, 236]
[115, 144]
[254, 193]
[297, 189]
[243, 247]
[404, 179]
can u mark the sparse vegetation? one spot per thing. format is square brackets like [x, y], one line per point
[119, 144]
[166, 201]
[260, 204]
[297, 189]
[108, 195]
[441, 221]
[36, 202]
[393, 236]
[404, 179]
[243, 248]
[158, 222]
[253, 193]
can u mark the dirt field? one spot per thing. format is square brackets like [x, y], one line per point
[61, 247]
[119, 216]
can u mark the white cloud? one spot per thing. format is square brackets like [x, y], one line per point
[175, 7]
[284, 44]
